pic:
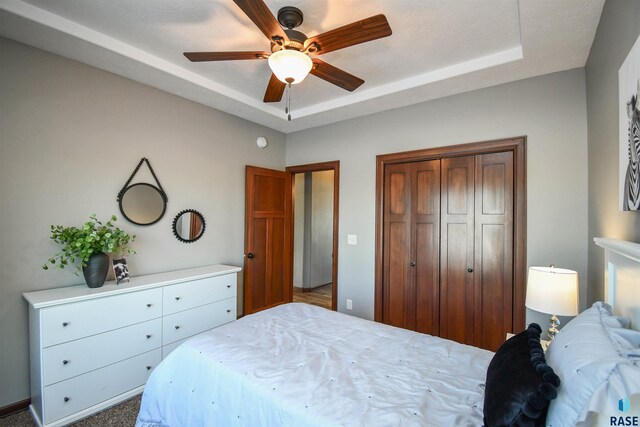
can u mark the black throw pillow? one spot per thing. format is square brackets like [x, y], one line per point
[519, 383]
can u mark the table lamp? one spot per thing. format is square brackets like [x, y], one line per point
[552, 290]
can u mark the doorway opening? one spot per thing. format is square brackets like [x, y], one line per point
[315, 233]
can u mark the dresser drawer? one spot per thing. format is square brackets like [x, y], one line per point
[184, 296]
[78, 393]
[191, 322]
[76, 320]
[63, 361]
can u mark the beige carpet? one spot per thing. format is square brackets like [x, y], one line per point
[122, 415]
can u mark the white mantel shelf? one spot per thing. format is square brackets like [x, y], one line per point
[629, 249]
[51, 297]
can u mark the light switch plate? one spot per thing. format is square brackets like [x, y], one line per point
[352, 239]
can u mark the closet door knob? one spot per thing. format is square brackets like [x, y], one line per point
[65, 362]
[228, 311]
[148, 305]
[66, 399]
[65, 323]
[228, 286]
[469, 270]
[413, 264]
[177, 298]
[148, 336]
[177, 327]
[250, 255]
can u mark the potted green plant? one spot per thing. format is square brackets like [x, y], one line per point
[88, 246]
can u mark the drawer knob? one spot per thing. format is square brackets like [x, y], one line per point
[228, 286]
[177, 298]
[149, 305]
[148, 336]
[148, 368]
[65, 323]
[65, 362]
[66, 399]
[177, 327]
[228, 311]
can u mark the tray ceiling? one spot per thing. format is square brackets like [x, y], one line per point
[438, 48]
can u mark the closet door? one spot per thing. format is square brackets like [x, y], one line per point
[426, 244]
[451, 241]
[493, 270]
[476, 284]
[411, 245]
[456, 250]
[398, 281]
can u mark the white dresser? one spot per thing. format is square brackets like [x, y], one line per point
[92, 348]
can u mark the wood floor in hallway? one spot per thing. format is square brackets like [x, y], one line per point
[320, 296]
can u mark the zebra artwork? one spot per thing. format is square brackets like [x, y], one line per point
[631, 200]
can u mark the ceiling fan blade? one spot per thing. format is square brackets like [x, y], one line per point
[357, 32]
[275, 89]
[224, 56]
[262, 17]
[335, 75]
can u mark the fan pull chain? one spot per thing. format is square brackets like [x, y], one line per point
[287, 108]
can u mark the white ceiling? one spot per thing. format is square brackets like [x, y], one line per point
[438, 48]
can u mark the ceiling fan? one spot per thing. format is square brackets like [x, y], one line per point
[290, 49]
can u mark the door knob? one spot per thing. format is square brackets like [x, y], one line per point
[470, 270]
[250, 255]
[413, 264]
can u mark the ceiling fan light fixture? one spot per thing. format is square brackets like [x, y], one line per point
[290, 66]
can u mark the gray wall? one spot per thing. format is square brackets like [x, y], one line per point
[313, 229]
[617, 32]
[550, 110]
[298, 230]
[70, 136]
[321, 227]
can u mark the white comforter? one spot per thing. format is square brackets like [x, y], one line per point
[300, 365]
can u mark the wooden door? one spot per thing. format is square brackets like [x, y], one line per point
[493, 278]
[476, 284]
[267, 269]
[426, 242]
[456, 251]
[411, 236]
[482, 242]
[398, 308]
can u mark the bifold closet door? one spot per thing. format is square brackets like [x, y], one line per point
[476, 265]
[456, 249]
[411, 215]
[494, 248]
[426, 244]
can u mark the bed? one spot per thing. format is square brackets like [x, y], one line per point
[300, 365]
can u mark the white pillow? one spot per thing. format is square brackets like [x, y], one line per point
[598, 364]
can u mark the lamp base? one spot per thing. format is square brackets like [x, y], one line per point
[553, 330]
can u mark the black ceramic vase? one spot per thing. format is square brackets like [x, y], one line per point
[95, 272]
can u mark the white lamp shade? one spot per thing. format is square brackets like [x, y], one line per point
[290, 64]
[553, 291]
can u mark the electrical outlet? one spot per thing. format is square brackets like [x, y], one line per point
[352, 239]
[349, 304]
